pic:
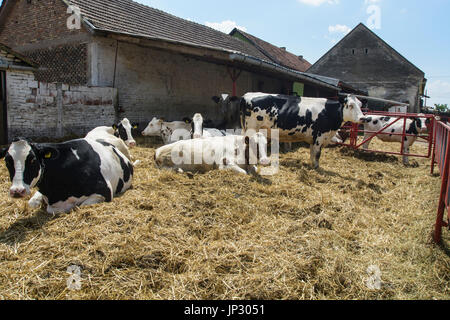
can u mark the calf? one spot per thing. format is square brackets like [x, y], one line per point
[199, 132]
[312, 120]
[165, 130]
[414, 127]
[75, 173]
[238, 153]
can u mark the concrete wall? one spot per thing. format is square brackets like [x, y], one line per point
[50, 110]
[367, 63]
[159, 83]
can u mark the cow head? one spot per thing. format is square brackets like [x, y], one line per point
[24, 162]
[154, 128]
[197, 126]
[352, 110]
[123, 131]
[422, 123]
[230, 109]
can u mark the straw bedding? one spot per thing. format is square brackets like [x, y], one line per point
[302, 234]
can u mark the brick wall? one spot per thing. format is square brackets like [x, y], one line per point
[156, 83]
[48, 110]
[35, 21]
[38, 29]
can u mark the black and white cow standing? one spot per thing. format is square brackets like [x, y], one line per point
[394, 133]
[75, 173]
[229, 110]
[312, 120]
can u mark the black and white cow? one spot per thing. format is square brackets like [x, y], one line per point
[123, 130]
[199, 132]
[311, 120]
[229, 108]
[75, 173]
[414, 127]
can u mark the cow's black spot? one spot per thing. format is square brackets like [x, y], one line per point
[260, 118]
[69, 176]
[120, 186]
[375, 122]
[125, 168]
[393, 130]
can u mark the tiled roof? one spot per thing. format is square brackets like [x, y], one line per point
[129, 17]
[278, 55]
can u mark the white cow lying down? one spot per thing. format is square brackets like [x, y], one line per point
[413, 127]
[238, 153]
[165, 130]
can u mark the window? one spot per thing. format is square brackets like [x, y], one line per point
[366, 51]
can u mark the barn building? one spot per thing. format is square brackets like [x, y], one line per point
[368, 63]
[124, 59]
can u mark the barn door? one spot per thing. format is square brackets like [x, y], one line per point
[3, 107]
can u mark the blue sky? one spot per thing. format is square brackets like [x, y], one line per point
[419, 30]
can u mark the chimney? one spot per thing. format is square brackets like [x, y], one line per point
[283, 48]
[300, 57]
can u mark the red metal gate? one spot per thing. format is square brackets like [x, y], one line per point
[354, 132]
[441, 156]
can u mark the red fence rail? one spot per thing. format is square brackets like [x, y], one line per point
[354, 132]
[441, 156]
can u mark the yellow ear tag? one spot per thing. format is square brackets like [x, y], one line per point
[135, 127]
[48, 155]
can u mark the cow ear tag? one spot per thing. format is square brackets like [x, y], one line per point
[48, 155]
[135, 127]
[114, 126]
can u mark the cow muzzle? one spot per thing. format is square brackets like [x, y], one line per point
[131, 144]
[18, 192]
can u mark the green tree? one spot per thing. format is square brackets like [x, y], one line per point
[441, 107]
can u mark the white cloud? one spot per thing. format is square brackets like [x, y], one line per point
[225, 26]
[339, 28]
[439, 91]
[317, 3]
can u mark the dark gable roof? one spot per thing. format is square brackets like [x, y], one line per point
[365, 28]
[135, 19]
[276, 54]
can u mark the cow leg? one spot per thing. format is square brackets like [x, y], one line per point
[316, 152]
[232, 166]
[366, 145]
[94, 199]
[36, 201]
[406, 151]
[287, 146]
